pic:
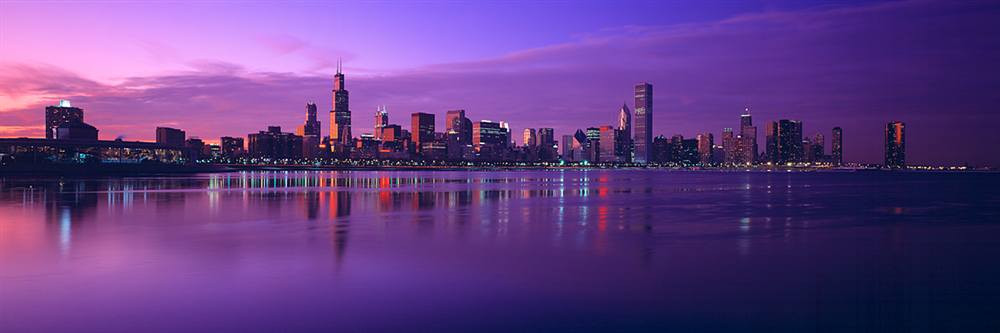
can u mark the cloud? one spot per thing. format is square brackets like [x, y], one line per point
[929, 64]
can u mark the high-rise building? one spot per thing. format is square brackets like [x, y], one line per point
[784, 141]
[662, 150]
[170, 136]
[728, 146]
[566, 147]
[546, 144]
[310, 132]
[608, 144]
[895, 144]
[747, 138]
[456, 122]
[274, 144]
[340, 115]
[705, 145]
[381, 120]
[489, 138]
[817, 149]
[422, 127]
[837, 146]
[63, 113]
[624, 140]
[530, 139]
[643, 122]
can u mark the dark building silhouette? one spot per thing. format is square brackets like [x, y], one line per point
[63, 113]
[895, 145]
[170, 136]
[643, 125]
[662, 150]
[232, 147]
[624, 140]
[728, 146]
[340, 115]
[837, 146]
[274, 144]
[784, 141]
[546, 144]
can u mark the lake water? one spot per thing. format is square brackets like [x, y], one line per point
[503, 251]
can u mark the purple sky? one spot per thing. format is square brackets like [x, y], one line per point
[231, 69]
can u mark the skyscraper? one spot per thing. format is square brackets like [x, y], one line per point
[381, 120]
[231, 147]
[310, 132]
[705, 146]
[895, 144]
[56, 115]
[340, 115]
[422, 128]
[747, 138]
[837, 146]
[643, 122]
[530, 139]
[456, 122]
[728, 146]
[607, 142]
[624, 140]
[784, 141]
[817, 150]
[170, 136]
[489, 138]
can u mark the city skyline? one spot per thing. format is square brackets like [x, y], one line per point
[690, 98]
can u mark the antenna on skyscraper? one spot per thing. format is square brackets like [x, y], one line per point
[339, 64]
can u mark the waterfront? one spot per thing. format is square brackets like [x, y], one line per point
[539, 250]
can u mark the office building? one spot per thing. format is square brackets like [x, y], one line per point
[170, 136]
[895, 145]
[381, 120]
[728, 146]
[608, 143]
[274, 144]
[310, 133]
[837, 147]
[706, 144]
[643, 126]
[63, 113]
[422, 128]
[530, 139]
[489, 139]
[784, 141]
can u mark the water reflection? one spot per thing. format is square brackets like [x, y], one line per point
[367, 244]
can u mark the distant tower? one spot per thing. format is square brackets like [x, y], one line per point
[381, 120]
[895, 145]
[837, 146]
[643, 122]
[340, 115]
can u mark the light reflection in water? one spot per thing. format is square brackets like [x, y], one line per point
[523, 240]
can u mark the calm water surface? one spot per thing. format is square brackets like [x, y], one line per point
[502, 251]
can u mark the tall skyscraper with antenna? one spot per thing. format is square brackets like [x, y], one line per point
[340, 115]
